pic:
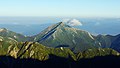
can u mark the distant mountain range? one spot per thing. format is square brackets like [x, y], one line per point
[34, 25]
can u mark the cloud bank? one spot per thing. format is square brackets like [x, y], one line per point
[72, 22]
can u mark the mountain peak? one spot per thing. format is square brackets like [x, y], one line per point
[61, 24]
[3, 29]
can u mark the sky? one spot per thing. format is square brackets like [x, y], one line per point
[67, 8]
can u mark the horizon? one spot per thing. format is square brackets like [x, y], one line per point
[32, 26]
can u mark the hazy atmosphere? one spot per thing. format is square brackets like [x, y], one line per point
[59, 33]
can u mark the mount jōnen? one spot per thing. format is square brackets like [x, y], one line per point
[62, 35]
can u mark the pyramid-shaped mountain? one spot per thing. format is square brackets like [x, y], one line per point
[62, 35]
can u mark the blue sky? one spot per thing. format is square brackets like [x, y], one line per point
[77, 8]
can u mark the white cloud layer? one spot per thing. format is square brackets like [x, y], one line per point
[72, 22]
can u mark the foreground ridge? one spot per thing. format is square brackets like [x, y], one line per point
[35, 55]
[38, 51]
